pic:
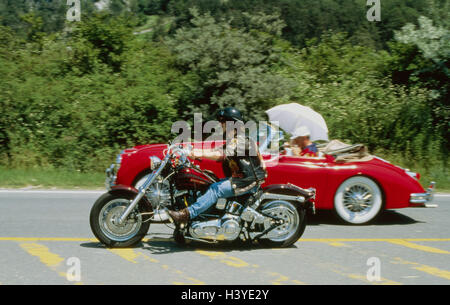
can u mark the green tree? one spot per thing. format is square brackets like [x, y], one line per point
[421, 58]
[228, 66]
[101, 39]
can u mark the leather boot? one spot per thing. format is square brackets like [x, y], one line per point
[179, 217]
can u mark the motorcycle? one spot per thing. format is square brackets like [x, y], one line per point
[275, 216]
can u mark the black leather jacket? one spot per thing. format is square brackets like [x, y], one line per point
[243, 164]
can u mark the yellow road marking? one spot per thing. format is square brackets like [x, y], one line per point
[418, 247]
[363, 278]
[424, 268]
[26, 239]
[133, 256]
[223, 258]
[343, 272]
[337, 244]
[43, 253]
[330, 240]
[51, 260]
[280, 279]
[326, 240]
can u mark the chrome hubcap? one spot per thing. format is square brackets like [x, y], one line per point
[290, 221]
[358, 198]
[109, 223]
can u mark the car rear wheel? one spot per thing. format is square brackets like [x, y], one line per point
[358, 200]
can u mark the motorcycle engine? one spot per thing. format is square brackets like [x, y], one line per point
[225, 228]
[159, 194]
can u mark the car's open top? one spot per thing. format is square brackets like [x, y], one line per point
[344, 153]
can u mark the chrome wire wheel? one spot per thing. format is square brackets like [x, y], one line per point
[109, 225]
[358, 200]
[288, 213]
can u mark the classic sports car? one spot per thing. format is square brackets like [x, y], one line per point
[357, 191]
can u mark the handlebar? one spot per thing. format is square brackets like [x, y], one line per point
[182, 150]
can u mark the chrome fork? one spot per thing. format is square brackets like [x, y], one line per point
[142, 191]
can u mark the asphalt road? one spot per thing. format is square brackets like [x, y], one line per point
[45, 236]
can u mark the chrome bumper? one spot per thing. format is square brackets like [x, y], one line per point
[423, 200]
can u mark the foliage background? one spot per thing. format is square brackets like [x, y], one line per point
[73, 94]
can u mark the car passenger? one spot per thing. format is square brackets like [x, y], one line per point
[301, 143]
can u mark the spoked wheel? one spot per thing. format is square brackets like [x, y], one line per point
[290, 231]
[104, 221]
[358, 200]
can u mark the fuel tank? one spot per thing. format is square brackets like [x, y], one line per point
[194, 179]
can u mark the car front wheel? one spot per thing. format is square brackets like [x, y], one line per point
[358, 200]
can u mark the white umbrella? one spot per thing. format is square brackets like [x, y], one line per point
[291, 116]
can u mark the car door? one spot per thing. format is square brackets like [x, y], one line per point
[302, 171]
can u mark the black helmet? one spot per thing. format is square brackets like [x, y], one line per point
[229, 114]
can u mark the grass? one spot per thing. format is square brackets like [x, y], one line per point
[50, 178]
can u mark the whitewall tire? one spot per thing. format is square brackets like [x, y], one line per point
[358, 200]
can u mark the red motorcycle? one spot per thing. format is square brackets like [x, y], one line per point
[274, 215]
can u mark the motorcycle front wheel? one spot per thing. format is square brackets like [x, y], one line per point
[290, 232]
[103, 220]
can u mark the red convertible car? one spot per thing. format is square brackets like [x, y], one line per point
[357, 191]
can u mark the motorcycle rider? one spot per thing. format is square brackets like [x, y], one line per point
[242, 164]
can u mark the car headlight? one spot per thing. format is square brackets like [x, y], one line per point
[413, 174]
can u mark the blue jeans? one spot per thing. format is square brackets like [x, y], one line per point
[220, 189]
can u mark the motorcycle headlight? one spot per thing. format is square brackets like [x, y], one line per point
[154, 162]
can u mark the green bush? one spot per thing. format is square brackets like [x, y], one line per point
[72, 100]
[56, 116]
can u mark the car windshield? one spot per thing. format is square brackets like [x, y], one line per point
[269, 138]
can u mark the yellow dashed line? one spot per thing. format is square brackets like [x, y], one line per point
[343, 272]
[424, 268]
[27, 239]
[411, 245]
[326, 240]
[280, 279]
[331, 240]
[133, 256]
[337, 244]
[363, 278]
[51, 260]
[43, 253]
[223, 258]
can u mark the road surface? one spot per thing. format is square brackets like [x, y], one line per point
[45, 238]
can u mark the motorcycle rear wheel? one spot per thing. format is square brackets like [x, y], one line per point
[105, 212]
[300, 218]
